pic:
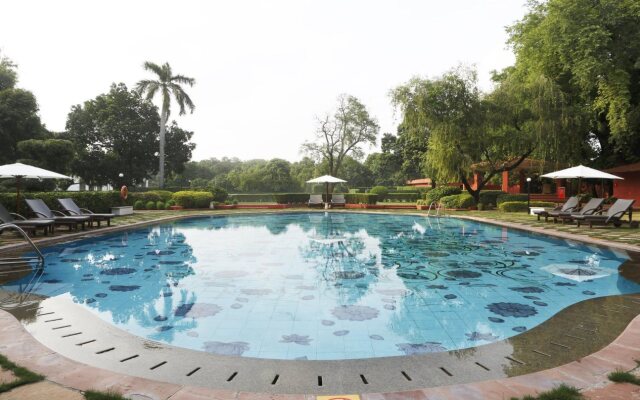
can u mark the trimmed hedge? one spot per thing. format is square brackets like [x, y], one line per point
[192, 199]
[403, 196]
[440, 192]
[252, 197]
[490, 197]
[462, 200]
[503, 198]
[381, 191]
[291, 198]
[411, 189]
[100, 202]
[520, 206]
[361, 198]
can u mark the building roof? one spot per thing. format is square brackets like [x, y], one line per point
[625, 168]
[526, 164]
[422, 181]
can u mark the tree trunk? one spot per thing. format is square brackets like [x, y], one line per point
[163, 122]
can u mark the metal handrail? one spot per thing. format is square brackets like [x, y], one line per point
[26, 237]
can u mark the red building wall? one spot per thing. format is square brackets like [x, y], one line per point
[629, 188]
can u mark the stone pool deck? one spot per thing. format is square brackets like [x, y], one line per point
[64, 377]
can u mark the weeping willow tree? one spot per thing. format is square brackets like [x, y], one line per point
[466, 127]
[589, 50]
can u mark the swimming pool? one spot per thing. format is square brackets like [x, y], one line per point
[327, 286]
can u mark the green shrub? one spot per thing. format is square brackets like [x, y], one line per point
[521, 206]
[361, 198]
[193, 199]
[411, 189]
[151, 195]
[170, 203]
[353, 191]
[252, 197]
[503, 198]
[488, 197]
[139, 205]
[160, 205]
[440, 192]
[462, 200]
[291, 198]
[151, 205]
[381, 191]
[219, 194]
[403, 196]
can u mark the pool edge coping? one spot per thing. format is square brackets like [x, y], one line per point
[589, 372]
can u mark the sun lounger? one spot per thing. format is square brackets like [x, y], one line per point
[613, 216]
[567, 207]
[338, 200]
[7, 217]
[41, 210]
[73, 210]
[315, 200]
[590, 208]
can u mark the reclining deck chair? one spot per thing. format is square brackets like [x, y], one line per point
[613, 216]
[41, 210]
[567, 207]
[32, 225]
[73, 210]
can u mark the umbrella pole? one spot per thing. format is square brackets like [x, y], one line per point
[17, 195]
[326, 204]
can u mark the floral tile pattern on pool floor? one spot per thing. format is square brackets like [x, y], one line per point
[327, 285]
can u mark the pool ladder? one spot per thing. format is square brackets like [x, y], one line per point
[436, 207]
[22, 261]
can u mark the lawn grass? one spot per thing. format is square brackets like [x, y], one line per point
[95, 395]
[23, 375]
[562, 392]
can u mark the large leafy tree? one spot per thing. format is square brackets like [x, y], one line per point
[114, 133]
[342, 134]
[590, 51]
[168, 86]
[464, 128]
[19, 118]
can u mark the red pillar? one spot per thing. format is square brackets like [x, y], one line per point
[505, 181]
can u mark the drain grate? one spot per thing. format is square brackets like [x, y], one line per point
[574, 337]
[319, 380]
[60, 327]
[443, 369]
[105, 350]
[130, 358]
[482, 366]
[541, 353]
[158, 365]
[46, 313]
[72, 334]
[53, 320]
[87, 342]
[229, 379]
[406, 376]
[275, 379]
[560, 345]
[515, 360]
[364, 379]
[193, 371]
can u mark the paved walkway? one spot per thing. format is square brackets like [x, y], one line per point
[588, 373]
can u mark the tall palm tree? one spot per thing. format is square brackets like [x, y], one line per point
[169, 86]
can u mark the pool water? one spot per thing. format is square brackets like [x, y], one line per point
[323, 286]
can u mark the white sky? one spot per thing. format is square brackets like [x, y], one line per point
[263, 68]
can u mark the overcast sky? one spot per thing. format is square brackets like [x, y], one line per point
[263, 68]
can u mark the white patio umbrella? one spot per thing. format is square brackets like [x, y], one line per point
[326, 179]
[580, 172]
[20, 171]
